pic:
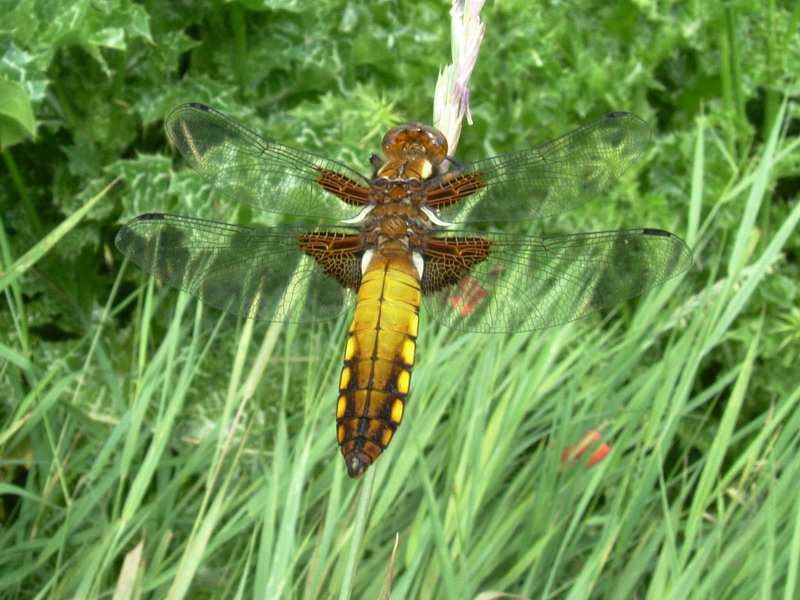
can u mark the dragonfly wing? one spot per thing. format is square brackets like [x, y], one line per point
[542, 181]
[254, 272]
[262, 173]
[522, 283]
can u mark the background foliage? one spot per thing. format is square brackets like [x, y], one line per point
[117, 397]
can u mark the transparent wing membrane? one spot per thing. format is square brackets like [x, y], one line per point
[257, 273]
[546, 180]
[528, 283]
[262, 173]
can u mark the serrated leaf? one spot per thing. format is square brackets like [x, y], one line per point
[147, 178]
[22, 67]
[109, 37]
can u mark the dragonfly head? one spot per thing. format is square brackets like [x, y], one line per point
[415, 140]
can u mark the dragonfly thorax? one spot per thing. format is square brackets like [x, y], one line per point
[406, 169]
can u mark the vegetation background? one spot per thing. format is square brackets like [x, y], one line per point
[151, 448]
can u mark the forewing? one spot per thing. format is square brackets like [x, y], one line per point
[254, 272]
[546, 180]
[262, 173]
[528, 283]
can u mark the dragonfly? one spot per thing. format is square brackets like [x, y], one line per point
[395, 239]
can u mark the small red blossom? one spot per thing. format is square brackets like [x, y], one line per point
[472, 293]
[470, 296]
[571, 454]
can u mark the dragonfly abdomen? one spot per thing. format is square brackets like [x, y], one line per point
[377, 362]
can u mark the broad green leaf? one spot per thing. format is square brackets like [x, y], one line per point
[16, 115]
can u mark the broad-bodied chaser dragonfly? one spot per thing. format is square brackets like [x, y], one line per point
[395, 245]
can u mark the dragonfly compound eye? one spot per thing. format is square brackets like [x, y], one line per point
[416, 140]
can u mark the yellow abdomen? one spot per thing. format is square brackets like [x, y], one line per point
[377, 361]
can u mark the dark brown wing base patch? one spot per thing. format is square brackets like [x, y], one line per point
[343, 187]
[453, 187]
[448, 258]
[338, 254]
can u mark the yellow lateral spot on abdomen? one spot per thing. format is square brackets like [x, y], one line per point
[344, 381]
[340, 434]
[341, 407]
[397, 411]
[386, 437]
[402, 381]
[413, 324]
[350, 349]
[407, 353]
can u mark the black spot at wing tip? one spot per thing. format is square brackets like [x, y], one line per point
[652, 231]
[629, 117]
[199, 106]
[680, 247]
[126, 235]
[150, 217]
